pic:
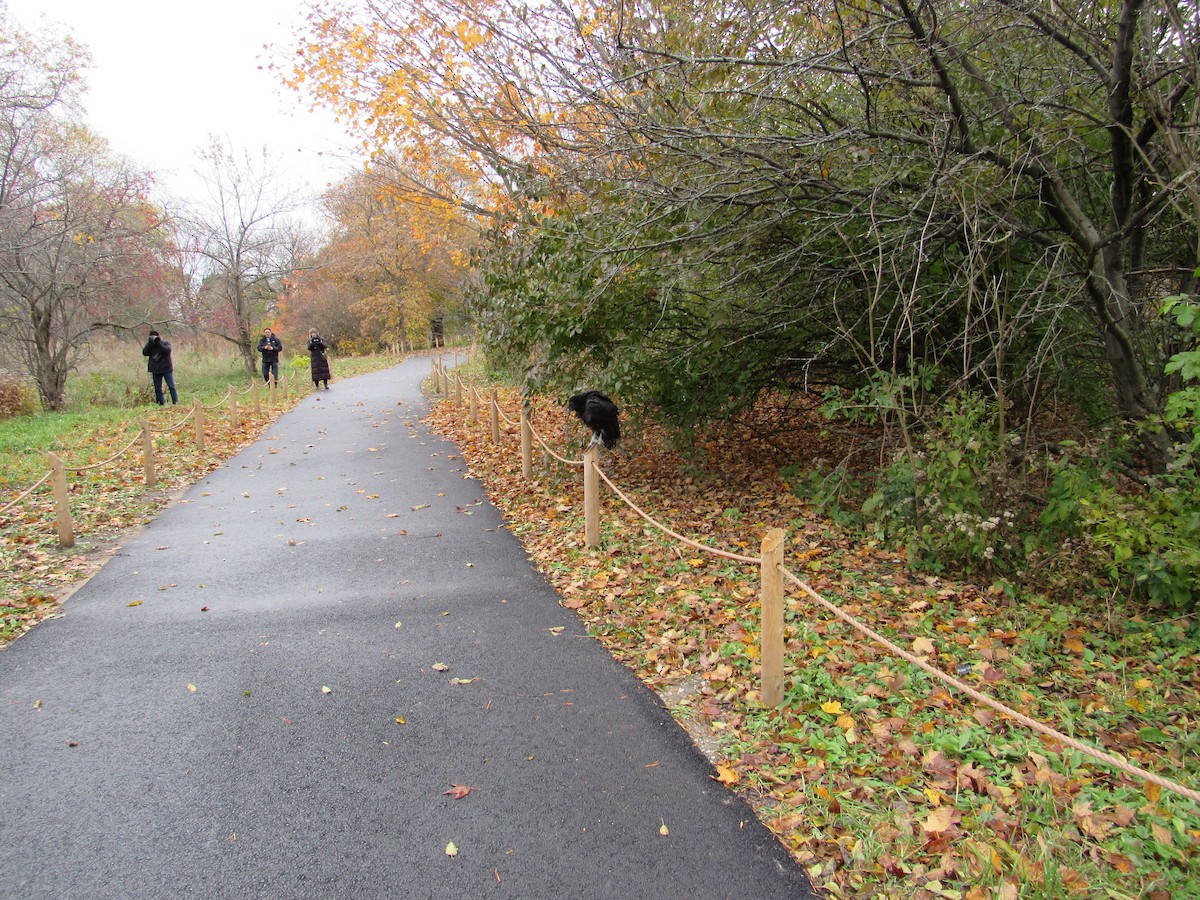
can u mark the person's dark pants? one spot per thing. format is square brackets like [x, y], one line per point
[271, 369]
[169, 378]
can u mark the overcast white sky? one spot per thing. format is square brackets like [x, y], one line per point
[166, 75]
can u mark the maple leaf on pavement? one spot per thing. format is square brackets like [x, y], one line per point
[458, 791]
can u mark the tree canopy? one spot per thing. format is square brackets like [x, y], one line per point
[694, 205]
[81, 245]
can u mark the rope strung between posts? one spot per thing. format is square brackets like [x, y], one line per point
[1101, 755]
[753, 560]
[504, 418]
[546, 447]
[25, 493]
[1032, 724]
[116, 455]
[177, 425]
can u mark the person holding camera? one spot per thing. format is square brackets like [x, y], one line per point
[318, 361]
[158, 364]
[270, 347]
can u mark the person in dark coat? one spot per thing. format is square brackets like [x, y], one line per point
[318, 361]
[159, 365]
[270, 347]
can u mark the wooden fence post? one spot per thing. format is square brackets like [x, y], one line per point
[273, 387]
[526, 444]
[257, 400]
[199, 423]
[458, 390]
[772, 617]
[62, 504]
[591, 496]
[495, 418]
[148, 454]
[233, 409]
[473, 403]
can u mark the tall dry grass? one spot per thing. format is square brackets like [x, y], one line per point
[113, 372]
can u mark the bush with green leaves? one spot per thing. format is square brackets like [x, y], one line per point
[1149, 532]
[945, 498]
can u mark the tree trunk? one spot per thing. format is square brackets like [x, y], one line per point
[1119, 325]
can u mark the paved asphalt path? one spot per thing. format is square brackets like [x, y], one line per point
[235, 734]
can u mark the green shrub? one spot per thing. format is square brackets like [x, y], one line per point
[947, 501]
[829, 492]
[1149, 532]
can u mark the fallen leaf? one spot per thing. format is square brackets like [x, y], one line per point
[458, 791]
[922, 646]
[940, 819]
[400, 720]
[134, 603]
[727, 776]
[663, 829]
[451, 849]
[325, 689]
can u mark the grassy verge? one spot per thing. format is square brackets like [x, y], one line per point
[880, 780]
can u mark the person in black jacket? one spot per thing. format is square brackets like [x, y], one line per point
[318, 361]
[158, 364]
[270, 347]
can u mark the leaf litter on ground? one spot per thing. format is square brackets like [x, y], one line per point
[880, 780]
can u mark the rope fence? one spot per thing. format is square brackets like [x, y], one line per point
[25, 493]
[58, 468]
[773, 575]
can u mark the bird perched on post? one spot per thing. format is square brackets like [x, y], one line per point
[598, 413]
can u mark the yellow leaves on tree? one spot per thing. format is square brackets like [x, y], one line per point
[448, 91]
[392, 264]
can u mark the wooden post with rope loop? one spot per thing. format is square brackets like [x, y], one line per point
[62, 504]
[148, 454]
[199, 423]
[591, 496]
[526, 445]
[771, 596]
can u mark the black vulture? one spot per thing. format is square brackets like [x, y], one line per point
[599, 414]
